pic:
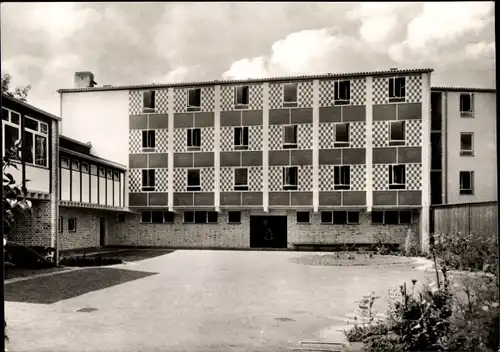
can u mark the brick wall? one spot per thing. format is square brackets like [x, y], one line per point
[35, 229]
[87, 228]
[225, 235]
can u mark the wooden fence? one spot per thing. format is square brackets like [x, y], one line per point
[475, 218]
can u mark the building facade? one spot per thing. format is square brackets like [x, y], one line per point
[77, 199]
[276, 163]
[463, 139]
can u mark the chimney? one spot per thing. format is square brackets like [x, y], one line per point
[84, 79]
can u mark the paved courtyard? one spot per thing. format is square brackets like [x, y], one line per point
[200, 301]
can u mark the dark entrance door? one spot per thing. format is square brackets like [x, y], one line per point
[268, 232]
[102, 231]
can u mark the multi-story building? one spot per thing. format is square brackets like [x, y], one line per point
[73, 193]
[275, 162]
[463, 145]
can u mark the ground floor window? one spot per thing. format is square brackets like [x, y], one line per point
[393, 217]
[340, 217]
[72, 224]
[234, 217]
[201, 217]
[303, 217]
[157, 217]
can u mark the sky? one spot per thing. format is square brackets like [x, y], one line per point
[44, 44]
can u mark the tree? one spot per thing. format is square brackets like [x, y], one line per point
[14, 195]
[18, 93]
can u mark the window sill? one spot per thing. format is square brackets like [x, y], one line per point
[467, 114]
[240, 188]
[466, 153]
[193, 189]
[342, 102]
[290, 188]
[241, 106]
[193, 149]
[397, 143]
[397, 99]
[342, 145]
[194, 108]
[290, 146]
[241, 147]
[290, 104]
[397, 187]
[341, 188]
[466, 193]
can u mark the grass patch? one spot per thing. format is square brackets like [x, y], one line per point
[350, 259]
[52, 289]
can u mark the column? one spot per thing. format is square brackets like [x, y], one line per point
[426, 162]
[217, 148]
[170, 149]
[369, 143]
[265, 146]
[315, 152]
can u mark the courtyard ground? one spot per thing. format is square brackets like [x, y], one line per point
[196, 301]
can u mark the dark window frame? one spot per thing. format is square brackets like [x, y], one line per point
[300, 220]
[342, 92]
[467, 152]
[233, 213]
[339, 142]
[466, 190]
[72, 221]
[290, 174]
[397, 141]
[241, 96]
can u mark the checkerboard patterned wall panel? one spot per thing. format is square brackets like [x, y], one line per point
[255, 135]
[161, 180]
[275, 178]
[275, 96]
[255, 179]
[305, 178]
[357, 134]
[413, 131]
[326, 93]
[227, 98]
[275, 137]
[227, 139]
[207, 179]
[207, 98]
[304, 136]
[380, 134]
[180, 140]
[380, 90]
[135, 102]
[135, 141]
[413, 177]
[414, 89]
[135, 180]
[226, 179]
[326, 180]
[255, 102]
[180, 100]
[358, 177]
[161, 100]
[207, 139]
[305, 94]
[326, 136]
[380, 177]
[358, 91]
[180, 179]
[161, 136]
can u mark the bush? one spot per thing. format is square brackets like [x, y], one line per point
[89, 261]
[459, 314]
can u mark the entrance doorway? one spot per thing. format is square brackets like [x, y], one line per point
[268, 232]
[102, 231]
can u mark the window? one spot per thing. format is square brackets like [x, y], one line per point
[341, 135]
[303, 217]
[201, 217]
[64, 163]
[194, 138]
[397, 177]
[342, 92]
[397, 133]
[397, 89]
[467, 144]
[109, 175]
[342, 177]
[148, 180]
[10, 129]
[93, 170]
[60, 223]
[290, 136]
[102, 172]
[194, 99]
[148, 140]
[193, 180]
[157, 217]
[402, 217]
[466, 105]
[241, 96]
[340, 217]
[35, 142]
[241, 179]
[85, 168]
[466, 182]
[290, 94]
[116, 176]
[234, 217]
[148, 101]
[75, 165]
[290, 178]
[72, 224]
[241, 138]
